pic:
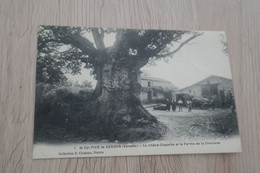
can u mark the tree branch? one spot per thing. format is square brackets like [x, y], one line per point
[119, 37]
[75, 40]
[179, 47]
[99, 38]
[80, 42]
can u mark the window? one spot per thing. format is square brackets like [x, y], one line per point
[149, 84]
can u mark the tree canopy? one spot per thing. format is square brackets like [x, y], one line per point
[64, 49]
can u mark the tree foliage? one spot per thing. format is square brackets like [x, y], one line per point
[63, 50]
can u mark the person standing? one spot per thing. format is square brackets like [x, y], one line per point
[173, 105]
[180, 104]
[213, 103]
[168, 105]
[189, 105]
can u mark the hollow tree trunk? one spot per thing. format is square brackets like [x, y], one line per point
[117, 107]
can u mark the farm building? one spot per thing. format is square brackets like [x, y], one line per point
[156, 89]
[216, 87]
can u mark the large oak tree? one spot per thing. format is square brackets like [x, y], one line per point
[115, 105]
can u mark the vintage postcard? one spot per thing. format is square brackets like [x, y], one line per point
[124, 92]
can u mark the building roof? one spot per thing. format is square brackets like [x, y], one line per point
[154, 79]
[158, 80]
[204, 80]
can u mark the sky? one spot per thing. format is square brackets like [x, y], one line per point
[200, 58]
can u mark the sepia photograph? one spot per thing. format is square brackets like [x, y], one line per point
[121, 92]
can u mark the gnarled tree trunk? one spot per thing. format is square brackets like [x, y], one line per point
[116, 106]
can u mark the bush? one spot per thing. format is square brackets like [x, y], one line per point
[219, 125]
[56, 107]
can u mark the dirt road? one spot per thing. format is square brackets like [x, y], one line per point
[198, 124]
